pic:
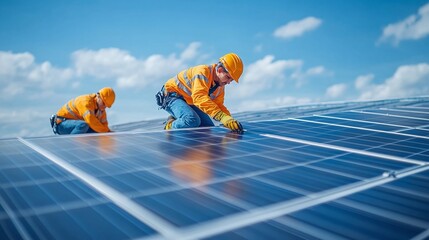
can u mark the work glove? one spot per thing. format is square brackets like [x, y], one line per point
[229, 122]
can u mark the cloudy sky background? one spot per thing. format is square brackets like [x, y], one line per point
[295, 52]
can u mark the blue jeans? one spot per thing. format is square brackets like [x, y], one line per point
[73, 127]
[187, 116]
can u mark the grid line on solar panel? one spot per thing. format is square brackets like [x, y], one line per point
[331, 216]
[388, 214]
[379, 112]
[235, 176]
[402, 110]
[275, 230]
[338, 164]
[414, 185]
[402, 217]
[276, 210]
[405, 208]
[417, 131]
[261, 201]
[402, 113]
[382, 138]
[120, 200]
[380, 119]
[102, 221]
[397, 200]
[359, 128]
[377, 211]
[358, 123]
[413, 107]
[20, 229]
[385, 156]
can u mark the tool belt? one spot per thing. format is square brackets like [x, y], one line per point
[163, 97]
[55, 120]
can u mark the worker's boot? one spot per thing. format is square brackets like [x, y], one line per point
[169, 122]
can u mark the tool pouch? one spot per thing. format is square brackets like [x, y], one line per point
[53, 121]
[160, 99]
[163, 98]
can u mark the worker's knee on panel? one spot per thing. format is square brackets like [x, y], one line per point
[81, 127]
[191, 121]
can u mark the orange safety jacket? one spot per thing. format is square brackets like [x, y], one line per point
[85, 108]
[194, 83]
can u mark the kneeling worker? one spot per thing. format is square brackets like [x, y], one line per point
[84, 114]
[196, 95]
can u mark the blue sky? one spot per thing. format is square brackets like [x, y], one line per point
[295, 52]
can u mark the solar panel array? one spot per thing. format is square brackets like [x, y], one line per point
[360, 173]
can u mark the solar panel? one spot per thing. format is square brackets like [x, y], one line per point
[337, 173]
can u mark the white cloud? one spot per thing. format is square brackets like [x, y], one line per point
[408, 81]
[315, 71]
[363, 81]
[336, 90]
[20, 73]
[11, 63]
[413, 27]
[263, 73]
[49, 76]
[301, 77]
[297, 28]
[128, 71]
[26, 121]
[271, 74]
[191, 51]
[103, 63]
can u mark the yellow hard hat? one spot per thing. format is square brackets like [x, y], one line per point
[233, 64]
[107, 95]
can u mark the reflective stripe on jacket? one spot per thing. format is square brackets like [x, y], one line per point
[85, 108]
[194, 84]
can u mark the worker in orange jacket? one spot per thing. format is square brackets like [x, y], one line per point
[196, 95]
[84, 114]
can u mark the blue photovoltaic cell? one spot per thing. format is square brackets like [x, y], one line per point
[375, 162]
[417, 132]
[8, 229]
[254, 192]
[136, 182]
[367, 125]
[105, 221]
[381, 119]
[50, 203]
[416, 184]
[348, 222]
[345, 175]
[377, 142]
[349, 168]
[187, 207]
[308, 179]
[409, 205]
[28, 197]
[413, 114]
[265, 230]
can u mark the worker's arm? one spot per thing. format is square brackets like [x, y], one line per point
[219, 100]
[201, 98]
[88, 115]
